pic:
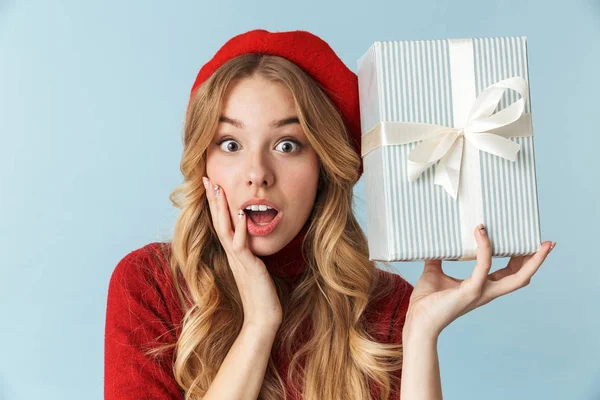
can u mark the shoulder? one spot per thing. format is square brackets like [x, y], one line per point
[390, 287]
[142, 313]
[388, 305]
[141, 264]
[143, 276]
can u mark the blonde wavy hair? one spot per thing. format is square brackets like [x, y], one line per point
[342, 359]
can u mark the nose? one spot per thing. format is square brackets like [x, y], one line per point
[258, 169]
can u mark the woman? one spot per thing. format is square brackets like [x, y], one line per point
[266, 289]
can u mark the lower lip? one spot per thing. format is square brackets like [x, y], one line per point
[263, 230]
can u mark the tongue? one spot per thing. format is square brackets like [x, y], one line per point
[262, 217]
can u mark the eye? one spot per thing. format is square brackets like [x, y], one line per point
[231, 147]
[296, 143]
[286, 148]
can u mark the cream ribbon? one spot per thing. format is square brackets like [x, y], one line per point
[486, 131]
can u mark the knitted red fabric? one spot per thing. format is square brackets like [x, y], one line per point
[309, 52]
[288, 262]
[143, 311]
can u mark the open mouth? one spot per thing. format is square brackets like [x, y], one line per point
[262, 217]
[262, 223]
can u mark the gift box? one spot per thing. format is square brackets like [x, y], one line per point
[447, 144]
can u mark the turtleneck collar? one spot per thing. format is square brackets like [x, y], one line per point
[288, 262]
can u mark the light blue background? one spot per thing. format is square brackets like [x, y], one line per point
[92, 99]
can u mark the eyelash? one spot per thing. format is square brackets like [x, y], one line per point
[228, 138]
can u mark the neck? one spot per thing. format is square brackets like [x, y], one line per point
[289, 261]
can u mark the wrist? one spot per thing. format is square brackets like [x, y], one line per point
[413, 330]
[259, 329]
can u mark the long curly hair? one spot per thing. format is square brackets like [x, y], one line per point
[341, 357]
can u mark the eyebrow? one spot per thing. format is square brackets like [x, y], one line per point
[274, 124]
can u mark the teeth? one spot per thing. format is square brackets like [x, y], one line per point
[256, 207]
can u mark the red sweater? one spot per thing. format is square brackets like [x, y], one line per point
[142, 306]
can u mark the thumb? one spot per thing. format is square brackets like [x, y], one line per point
[433, 266]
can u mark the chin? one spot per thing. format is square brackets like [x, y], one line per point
[264, 245]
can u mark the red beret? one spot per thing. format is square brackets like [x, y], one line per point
[310, 53]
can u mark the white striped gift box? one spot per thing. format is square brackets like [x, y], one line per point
[436, 84]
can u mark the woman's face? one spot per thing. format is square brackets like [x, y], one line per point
[260, 151]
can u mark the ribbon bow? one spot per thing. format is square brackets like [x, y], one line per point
[447, 144]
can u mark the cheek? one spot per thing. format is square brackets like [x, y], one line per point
[221, 174]
[302, 182]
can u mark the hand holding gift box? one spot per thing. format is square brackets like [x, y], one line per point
[438, 161]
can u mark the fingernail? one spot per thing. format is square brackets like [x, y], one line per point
[240, 214]
[205, 180]
[551, 247]
[481, 229]
[217, 190]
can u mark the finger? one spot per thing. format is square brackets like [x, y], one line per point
[223, 215]
[243, 255]
[520, 278]
[215, 210]
[434, 266]
[211, 201]
[484, 257]
[513, 266]
[240, 235]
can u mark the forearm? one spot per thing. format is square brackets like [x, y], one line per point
[242, 372]
[420, 368]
